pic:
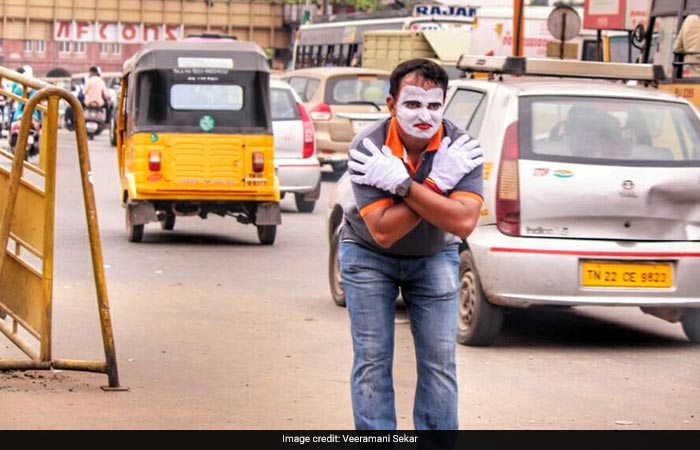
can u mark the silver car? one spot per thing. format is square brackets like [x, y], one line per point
[591, 197]
[296, 160]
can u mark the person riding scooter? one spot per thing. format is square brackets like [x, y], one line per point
[96, 96]
[35, 129]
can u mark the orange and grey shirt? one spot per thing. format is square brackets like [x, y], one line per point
[425, 239]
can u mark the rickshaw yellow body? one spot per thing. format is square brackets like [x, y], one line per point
[194, 136]
[216, 167]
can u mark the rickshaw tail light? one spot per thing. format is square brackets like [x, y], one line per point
[154, 160]
[258, 162]
[308, 150]
[321, 112]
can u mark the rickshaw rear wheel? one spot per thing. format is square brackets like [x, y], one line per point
[169, 222]
[266, 234]
[134, 233]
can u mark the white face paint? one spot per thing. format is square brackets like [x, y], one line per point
[420, 112]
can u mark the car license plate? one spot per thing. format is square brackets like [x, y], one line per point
[623, 274]
[358, 125]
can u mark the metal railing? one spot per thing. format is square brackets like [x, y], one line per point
[26, 268]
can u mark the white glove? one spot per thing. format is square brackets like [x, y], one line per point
[452, 162]
[380, 168]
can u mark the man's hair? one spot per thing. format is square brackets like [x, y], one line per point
[425, 68]
[94, 69]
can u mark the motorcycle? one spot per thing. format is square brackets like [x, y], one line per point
[95, 119]
[32, 140]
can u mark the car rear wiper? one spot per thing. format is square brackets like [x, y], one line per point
[364, 102]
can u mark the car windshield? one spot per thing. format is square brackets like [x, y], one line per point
[216, 97]
[283, 105]
[609, 130]
[357, 89]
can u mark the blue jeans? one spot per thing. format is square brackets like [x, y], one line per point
[429, 288]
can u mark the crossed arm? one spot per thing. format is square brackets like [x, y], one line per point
[388, 224]
[391, 222]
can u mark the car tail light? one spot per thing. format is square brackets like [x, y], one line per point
[508, 189]
[308, 132]
[321, 112]
[258, 162]
[154, 160]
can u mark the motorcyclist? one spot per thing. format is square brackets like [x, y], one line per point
[95, 91]
[18, 89]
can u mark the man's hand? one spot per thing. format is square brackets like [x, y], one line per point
[453, 161]
[380, 168]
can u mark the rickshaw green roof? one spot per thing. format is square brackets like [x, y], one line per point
[246, 56]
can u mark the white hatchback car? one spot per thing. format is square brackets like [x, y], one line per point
[296, 160]
[591, 197]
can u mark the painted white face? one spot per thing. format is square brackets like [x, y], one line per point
[420, 112]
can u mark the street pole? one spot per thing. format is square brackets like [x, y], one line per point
[518, 25]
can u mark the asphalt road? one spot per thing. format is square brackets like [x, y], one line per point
[214, 331]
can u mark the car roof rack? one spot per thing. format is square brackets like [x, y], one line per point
[519, 65]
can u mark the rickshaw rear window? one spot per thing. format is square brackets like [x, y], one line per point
[215, 97]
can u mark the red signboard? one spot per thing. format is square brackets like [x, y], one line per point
[614, 14]
[604, 14]
[124, 33]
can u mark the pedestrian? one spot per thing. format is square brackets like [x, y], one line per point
[688, 44]
[417, 184]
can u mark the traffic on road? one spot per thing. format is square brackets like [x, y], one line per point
[587, 235]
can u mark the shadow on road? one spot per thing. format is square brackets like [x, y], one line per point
[554, 327]
[331, 176]
[194, 238]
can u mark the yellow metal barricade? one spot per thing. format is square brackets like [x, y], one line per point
[27, 213]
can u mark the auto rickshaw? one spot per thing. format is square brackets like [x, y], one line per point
[194, 136]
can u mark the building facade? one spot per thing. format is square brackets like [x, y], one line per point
[68, 36]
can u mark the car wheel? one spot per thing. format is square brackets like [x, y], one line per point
[479, 321]
[266, 234]
[169, 222]
[335, 281]
[691, 324]
[339, 168]
[303, 205]
[134, 233]
[113, 132]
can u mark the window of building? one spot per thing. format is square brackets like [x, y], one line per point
[40, 46]
[116, 49]
[28, 46]
[64, 47]
[79, 47]
[104, 48]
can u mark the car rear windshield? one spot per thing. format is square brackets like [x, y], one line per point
[284, 107]
[609, 131]
[357, 90]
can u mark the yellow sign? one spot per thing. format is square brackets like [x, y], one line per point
[691, 92]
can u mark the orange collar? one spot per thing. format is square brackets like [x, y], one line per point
[393, 140]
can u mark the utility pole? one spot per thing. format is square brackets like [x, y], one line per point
[518, 27]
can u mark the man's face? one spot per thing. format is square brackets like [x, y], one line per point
[420, 106]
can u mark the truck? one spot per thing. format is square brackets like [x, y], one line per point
[384, 49]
